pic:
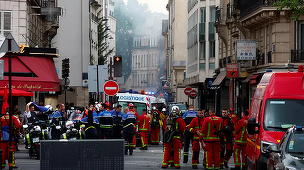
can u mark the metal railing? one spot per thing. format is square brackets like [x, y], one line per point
[248, 6]
[297, 56]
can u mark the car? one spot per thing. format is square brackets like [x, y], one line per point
[289, 154]
[182, 107]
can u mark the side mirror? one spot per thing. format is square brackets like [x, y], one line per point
[273, 148]
[251, 125]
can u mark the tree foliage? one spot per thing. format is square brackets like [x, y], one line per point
[296, 7]
[103, 46]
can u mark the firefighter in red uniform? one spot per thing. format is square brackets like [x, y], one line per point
[234, 117]
[144, 127]
[195, 128]
[240, 142]
[175, 127]
[5, 137]
[132, 110]
[229, 135]
[211, 135]
[155, 126]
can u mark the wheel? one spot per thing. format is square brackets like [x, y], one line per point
[37, 149]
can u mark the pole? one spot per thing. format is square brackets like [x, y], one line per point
[65, 90]
[10, 159]
[111, 78]
[97, 86]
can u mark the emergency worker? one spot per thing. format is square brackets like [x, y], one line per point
[5, 137]
[87, 111]
[91, 126]
[163, 116]
[188, 136]
[58, 119]
[132, 109]
[240, 142]
[195, 128]
[155, 126]
[129, 120]
[234, 117]
[117, 122]
[175, 127]
[105, 119]
[229, 135]
[210, 133]
[144, 128]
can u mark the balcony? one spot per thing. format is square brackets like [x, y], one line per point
[247, 6]
[202, 30]
[297, 56]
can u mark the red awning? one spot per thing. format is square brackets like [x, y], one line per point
[31, 73]
[253, 79]
[16, 92]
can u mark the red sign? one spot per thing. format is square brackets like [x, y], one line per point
[233, 70]
[187, 90]
[110, 88]
[193, 93]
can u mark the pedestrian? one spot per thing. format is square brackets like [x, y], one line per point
[188, 136]
[117, 122]
[195, 128]
[5, 137]
[105, 119]
[210, 133]
[129, 120]
[155, 126]
[144, 128]
[240, 142]
[133, 110]
[175, 127]
[229, 135]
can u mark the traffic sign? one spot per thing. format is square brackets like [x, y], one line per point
[110, 88]
[193, 94]
[187, 90]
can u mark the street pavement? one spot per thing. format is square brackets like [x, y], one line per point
[150, 159]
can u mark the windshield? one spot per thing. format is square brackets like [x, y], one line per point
[139, 106]
[296, 143]
[181, 106]
[280, 114]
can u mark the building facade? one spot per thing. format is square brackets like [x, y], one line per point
[111, 23]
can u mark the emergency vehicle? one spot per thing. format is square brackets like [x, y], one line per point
[158, 102]
[277, 105]
[139, 100]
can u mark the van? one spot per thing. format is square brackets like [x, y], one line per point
[278, 104]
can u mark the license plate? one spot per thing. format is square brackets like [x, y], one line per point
[35, 140]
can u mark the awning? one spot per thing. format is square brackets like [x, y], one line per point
[253, 79]
[31, 73]
[219, 79]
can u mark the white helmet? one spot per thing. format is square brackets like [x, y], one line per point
[37, 128]
[98, 106]
[175, 108]
[49, 107]
[69, 124]
[154, 108]
[164, 110]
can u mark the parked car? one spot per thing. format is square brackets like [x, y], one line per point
[289, 154]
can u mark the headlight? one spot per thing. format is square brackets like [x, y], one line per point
[290, 168]
[264, 146]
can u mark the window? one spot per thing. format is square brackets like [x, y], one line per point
[211, 49]
[212, 13]
[211, 65]
[202, 51]
[202, 66]
[5, 22]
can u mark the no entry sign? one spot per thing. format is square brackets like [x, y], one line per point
[193, 94]
[187, 90]
[110, 88]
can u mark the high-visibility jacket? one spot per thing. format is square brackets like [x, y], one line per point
[5, 127]
[189, 116]
[229, 123]
[144, 122]
[234, 118]
[211, 125]
[241, 133]
[196, 125]
[179, 126]
[155, 118]
[136, 115]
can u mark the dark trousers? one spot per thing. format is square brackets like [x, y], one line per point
[116, 133]
[105, 133]
[188, 137]
[128, 136]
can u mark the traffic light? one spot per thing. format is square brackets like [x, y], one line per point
[65, 68]
[117, 66]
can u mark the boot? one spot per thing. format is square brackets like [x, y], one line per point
[244, 168]
[185, 159]
[131, 153]
[236, 168]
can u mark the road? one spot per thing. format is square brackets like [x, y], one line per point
[140, 160]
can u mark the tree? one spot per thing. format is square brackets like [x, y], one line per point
[296, 7]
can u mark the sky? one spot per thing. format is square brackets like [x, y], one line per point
[155, 5]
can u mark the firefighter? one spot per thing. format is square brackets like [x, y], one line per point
[234, 117]
[175, 127]
[155, 126]
[229, 135]
[5, 137]
[211, 135]
[133, 110]
[129, 120]
[195, 128]
[106, 122]
[240, 142]
[188, 136]
[144, 127]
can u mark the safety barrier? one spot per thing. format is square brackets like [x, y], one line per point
[82, 154]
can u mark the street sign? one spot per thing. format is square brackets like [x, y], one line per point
[110, 88]
[187, 90]
[246, 50]
[233, 70]
[193, 94]
[169, 78]
[4, 44]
